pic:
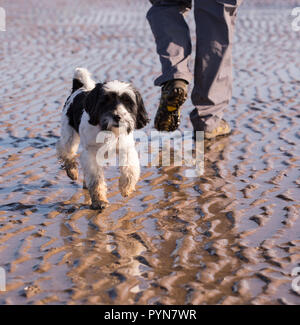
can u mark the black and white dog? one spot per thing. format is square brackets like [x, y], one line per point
[111, 106]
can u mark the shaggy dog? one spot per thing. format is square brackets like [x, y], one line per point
[112, 107]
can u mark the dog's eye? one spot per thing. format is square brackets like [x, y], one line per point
[105, 98]
[127, 100]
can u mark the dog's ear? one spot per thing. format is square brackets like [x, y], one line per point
[142, 116]
[92, 104]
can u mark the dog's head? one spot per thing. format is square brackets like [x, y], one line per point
[114, 105]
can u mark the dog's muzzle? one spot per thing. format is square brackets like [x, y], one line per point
[116, 119]
[113, 122]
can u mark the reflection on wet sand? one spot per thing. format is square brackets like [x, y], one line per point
[229, 236]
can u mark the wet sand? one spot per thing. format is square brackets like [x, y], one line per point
[228, 237]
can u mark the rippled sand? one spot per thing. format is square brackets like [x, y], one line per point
[228, 237]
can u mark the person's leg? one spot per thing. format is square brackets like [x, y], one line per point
[215, 20]
[172, 37]
[173, 43]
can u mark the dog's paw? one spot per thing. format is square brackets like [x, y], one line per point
[99, 205]
[126, 186]
[127, 191]
[72, 173]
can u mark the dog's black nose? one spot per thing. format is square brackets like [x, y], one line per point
[116, 118]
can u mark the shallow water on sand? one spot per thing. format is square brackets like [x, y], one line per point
[228, 237]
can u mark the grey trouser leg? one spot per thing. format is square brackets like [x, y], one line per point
[172, 37]
[213, 63]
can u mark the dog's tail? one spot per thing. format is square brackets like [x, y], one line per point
[82, 78]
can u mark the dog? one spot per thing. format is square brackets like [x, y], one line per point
[113, 106]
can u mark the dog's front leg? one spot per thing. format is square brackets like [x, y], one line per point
[66, 149]
[94, 178]
[130, 170]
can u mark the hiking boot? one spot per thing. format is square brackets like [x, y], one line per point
[173, 95]
[222, 129]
